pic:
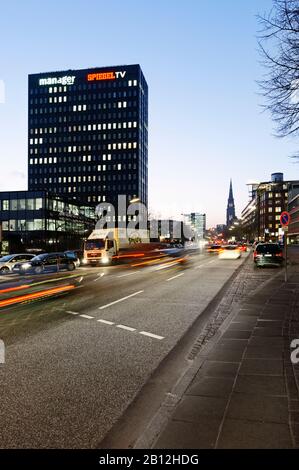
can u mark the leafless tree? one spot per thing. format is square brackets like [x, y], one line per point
[279, 47]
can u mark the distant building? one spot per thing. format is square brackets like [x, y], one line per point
[249, 219]
[293, 208]
[39, 221]
[197, 222]
[169, 230]
[230, 210]
[220, 228]
[261, 216]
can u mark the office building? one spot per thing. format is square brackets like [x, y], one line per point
[293, 208]
[38, 221]
[197, 222]
[88, 134]
[261, 217]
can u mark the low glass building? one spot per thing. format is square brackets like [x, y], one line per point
[39, 221]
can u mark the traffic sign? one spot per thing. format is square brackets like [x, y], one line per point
[285, 218]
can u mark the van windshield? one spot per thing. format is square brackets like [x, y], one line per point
[94, 244]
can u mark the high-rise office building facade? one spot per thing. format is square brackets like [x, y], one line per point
[88, 134]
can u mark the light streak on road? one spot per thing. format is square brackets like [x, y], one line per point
[35, 295]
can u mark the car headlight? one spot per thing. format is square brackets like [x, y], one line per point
[25, 266]
[84, 261]
[105, 260]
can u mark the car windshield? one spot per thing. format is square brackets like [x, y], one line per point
[5, 259]
[95, 244]
[230, 247]
[268, 248]
[39, 257]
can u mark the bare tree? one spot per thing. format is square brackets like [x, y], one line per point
[279, 47]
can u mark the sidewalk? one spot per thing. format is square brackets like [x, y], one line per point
[246, 391]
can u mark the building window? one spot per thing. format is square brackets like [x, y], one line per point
[5, 205]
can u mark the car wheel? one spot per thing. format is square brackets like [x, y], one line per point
[4, 270]
[71, 266]
[38, 269]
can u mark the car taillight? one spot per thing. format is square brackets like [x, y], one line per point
[255, 254]
[279, 254]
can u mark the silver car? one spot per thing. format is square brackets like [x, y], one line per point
[7, 262]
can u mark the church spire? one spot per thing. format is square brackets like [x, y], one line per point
[230, 211]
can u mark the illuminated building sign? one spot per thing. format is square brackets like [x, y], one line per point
[67, 80]
[105, 76]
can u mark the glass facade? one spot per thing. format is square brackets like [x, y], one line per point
[88, 134]
[39, 220]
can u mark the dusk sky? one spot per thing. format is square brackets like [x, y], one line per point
[201, 63]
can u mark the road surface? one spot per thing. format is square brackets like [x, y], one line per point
[74, 362]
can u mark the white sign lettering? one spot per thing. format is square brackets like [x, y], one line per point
[67, 80]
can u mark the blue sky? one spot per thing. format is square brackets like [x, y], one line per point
[201, 63]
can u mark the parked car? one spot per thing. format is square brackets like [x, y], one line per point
[8, 262]
[77, 255]
[47, 262]
[268, 254]
[230, 252]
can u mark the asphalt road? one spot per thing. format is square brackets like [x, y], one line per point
[76, 361]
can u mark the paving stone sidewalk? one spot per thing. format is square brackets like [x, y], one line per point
[246, 393]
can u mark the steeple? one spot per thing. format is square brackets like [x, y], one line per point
[230, 211]
[231, 196]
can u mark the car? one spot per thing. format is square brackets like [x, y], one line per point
[213, 248]
[8, 262]
[268, 254]
[243, 246]
[46, 263]
[76, 255]
[230, 252]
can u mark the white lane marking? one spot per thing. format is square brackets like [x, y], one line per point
[128, 274]
[99, 277]
[174, 277]
[107, 322]
[121, 300]
[124, 327]
[200, 266]
[86, 316]
[72, 313]
[166, 265]
[151, 335]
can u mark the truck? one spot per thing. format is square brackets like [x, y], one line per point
[104, 245]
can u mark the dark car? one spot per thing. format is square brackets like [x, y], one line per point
[77, 255]
[268, 254]
[47, 263]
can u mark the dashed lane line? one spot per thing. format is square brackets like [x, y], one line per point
[128, 274]
[121, 300]
[175, 277]
[151, 335]
[106, 322]
[124, 327]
